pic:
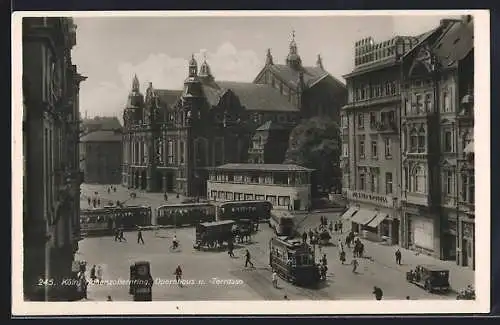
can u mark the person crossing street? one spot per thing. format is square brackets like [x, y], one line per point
[139, 237]
[247, 259]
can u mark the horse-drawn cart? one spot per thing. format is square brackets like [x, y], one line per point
[213, 234]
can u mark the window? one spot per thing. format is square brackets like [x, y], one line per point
[387, 88]
[393, 88]
[181, 151]
[170, 152]
[446, 102]
[449, 182]
[361, 122]
[284, 200]
[362, 180]
[407, 106]
[271, 198]
[391, 117]
[362, 148]
[467, 194]
[374, 149]
[388, 183]
[373, 119]
[373, 182]
[421, 140]
[388, 148]
[428, 103]
[448, 146]
[343, 120]
[345, 150]
[363, 95]
[406, 178]
[377, 91]
[413, 141]
[419, 180]
[418, 103]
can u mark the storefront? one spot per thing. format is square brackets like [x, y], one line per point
[373, 216]
[467, 248]
[420, 233]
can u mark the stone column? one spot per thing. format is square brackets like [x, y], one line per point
[149, 181]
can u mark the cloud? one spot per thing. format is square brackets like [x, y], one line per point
[166, 72]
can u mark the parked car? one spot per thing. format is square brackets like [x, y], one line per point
[430, 277]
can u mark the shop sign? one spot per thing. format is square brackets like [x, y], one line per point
[381, 200]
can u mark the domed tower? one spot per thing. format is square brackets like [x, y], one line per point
[135, 102]
[293, 59]
[205, 73]
[192, 95]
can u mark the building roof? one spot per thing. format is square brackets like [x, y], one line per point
[167, 96]
[102, 136]
[456, 43]
[262, 167]
[102, 123]
[259, 97]
[270, 126]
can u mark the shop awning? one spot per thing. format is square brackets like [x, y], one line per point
[469, 148]
[364, 216]
[381, 216]
[349, 213]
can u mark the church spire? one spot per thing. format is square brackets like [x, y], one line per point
[269, 57]
[319, 62]
[293, 59]
[135, 84]
[193, 67]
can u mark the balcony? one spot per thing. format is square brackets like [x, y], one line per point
[386, 127]
[417, 198]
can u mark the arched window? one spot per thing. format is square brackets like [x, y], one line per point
[404, 138]
[418, 180]
[421, 139]
[413, 140]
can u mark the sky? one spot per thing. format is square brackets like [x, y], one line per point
[110, 50]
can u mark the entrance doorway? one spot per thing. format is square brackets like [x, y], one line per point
[136, 179]
[158, 181]
[169, 187]
[395, 232]
[296, 204]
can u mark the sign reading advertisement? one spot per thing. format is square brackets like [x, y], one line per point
[377, 199]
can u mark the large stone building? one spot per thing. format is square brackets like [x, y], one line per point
[426, 101]
[371, 160]
[52, 178]
[437, 143]
[171, 137]
[101, 157]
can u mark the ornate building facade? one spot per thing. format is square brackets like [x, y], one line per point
[171, 137]
[51, 194]
[437, 143]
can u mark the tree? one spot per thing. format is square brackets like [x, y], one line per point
[316, 143]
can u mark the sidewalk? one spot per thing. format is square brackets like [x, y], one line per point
[383, 254]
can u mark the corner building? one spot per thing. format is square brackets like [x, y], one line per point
[370, 131]
[51, 192]
[172, 137]
[437, 143]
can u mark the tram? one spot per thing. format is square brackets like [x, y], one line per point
[102, 221]
[252, 210]
[293, 260]
[283, 223]
[185, 214]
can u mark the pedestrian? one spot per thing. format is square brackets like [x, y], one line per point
[323, 260]
[178, 274]
[117, 235]
[340, 226]
[109, 298]
[340, 244]
[109, 190]
[99, 273]
[98, 202]
[398, 257]
[247, 258]
[342, 257]
[94, 203]
[330, 227]
[354, 265]
[92, 274]
[89, 200]
[378, 293]
[114, 189]
[122, 237]
[407, 297]
[139, 237]
[348, 242]
[304, 237]
[361, 250]
[285, 297]
[165, 196]
[275, 279]
[230, 247]
[84, 285]
[310, 234]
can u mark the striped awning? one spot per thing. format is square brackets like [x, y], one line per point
[381, 216]
[469, 148]
[349, 213]
[364, 216]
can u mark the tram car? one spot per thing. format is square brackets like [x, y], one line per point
[185, 214]
[95, 222]
[214, 234]
[294, 261]
[255, 211]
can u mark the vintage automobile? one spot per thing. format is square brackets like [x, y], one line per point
[430, 277]
[141, 281]
[324, 237]
[243, 230]
[214, 234]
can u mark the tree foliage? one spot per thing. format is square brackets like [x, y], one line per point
[316, 143]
